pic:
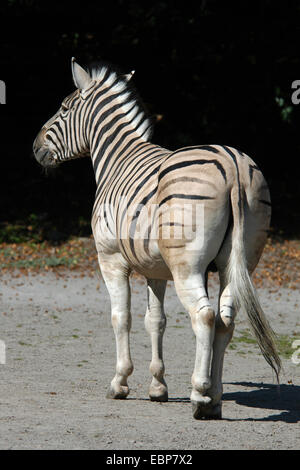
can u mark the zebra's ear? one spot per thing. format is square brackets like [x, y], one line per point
[128, 76]
[80, 77]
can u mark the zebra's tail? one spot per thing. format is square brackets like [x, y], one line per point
[243, 291]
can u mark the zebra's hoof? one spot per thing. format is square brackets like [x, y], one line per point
[158, 392]
[203, 411]
[163, 397]
[117, 395]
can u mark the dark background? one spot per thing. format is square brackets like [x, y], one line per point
[217, 72]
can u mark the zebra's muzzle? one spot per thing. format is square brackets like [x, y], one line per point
[45, 157]
[41, 152]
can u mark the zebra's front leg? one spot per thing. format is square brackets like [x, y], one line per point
[155, 323]
[117, 283]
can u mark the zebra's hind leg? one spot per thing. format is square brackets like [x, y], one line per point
[115, 274]
[192, 293]
[224, 329]
[155, 323]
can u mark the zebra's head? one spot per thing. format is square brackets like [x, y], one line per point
[65, 135]
[62, 137]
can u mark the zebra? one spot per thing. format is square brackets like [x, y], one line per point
[104, 118]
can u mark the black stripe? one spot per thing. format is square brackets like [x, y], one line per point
[146, 240]
[106, 100]
[73, 129]
[170, 224]
[134, 221]
[137, 189]
[119, 165]
[60, 154]
[237, 175]
[185, 196]
[251, 168]
[106, 127]
[143, 201]
[111, 138]
[122, 169]
[184, 164]
[230, 153]
[97, 110]
[208, 148]
[57, 132]
[106, 221]
[131, 180]
[131, 240]
[57, 124]
[268, 203]
[178, 246]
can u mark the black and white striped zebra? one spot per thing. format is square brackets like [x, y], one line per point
[170, 215]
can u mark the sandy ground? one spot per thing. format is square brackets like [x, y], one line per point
[60, 357]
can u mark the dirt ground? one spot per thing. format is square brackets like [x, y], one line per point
[60, 358]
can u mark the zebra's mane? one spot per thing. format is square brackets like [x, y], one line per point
[130, 101]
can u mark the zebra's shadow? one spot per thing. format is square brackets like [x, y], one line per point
[170, 399]
[285, 398]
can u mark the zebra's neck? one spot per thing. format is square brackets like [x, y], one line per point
[117, 147]
[117, 124]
